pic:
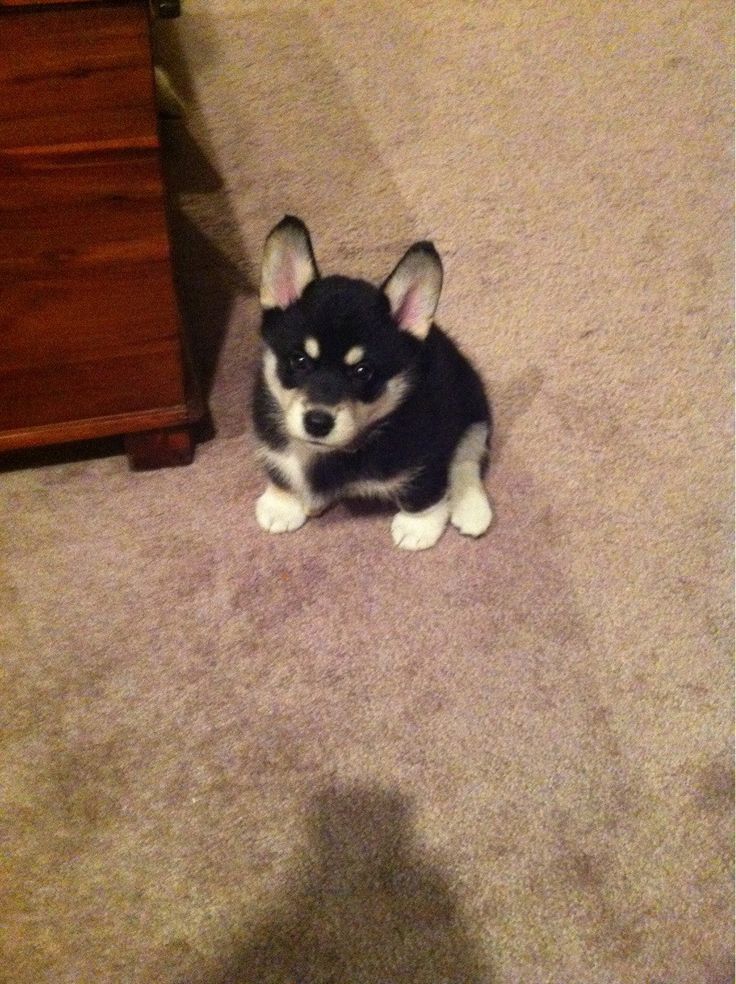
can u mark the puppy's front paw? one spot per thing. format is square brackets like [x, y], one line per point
[419, 531]
[471, 513]
[278, 511]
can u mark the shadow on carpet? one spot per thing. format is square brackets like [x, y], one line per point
[365, 904]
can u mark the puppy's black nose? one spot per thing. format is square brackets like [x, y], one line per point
[318, 423]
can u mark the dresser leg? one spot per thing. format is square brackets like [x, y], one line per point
[163, 448]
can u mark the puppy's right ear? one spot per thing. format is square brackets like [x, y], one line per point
[288, 263]
[413, 289]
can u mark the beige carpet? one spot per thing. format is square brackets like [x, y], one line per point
[230, 757]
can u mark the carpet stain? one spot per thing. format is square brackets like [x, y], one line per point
[715, 786]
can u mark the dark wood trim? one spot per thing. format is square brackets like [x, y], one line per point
[164, 9]
[81, 430]
[166, 448]
[16, 4]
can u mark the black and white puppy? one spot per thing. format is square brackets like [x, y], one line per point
[360, 394]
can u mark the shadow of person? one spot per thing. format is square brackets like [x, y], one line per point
[366, 907]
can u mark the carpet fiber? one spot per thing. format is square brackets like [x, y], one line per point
[230, 757]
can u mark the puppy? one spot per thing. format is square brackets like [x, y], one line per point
[360, 394]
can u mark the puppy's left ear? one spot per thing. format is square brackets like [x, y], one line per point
[413, 289]
[288, 263]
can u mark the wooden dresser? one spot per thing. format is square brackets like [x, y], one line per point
[90, 336]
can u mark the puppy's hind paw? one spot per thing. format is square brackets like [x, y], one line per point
[471, 513]
[278, 511]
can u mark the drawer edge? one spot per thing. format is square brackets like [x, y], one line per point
[93, 427]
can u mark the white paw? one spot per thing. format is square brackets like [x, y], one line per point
[278, 511]
[471, 513]
[419, 531]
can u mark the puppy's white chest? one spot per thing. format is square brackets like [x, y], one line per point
[293, 464]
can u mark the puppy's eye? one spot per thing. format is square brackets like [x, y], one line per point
[299, 360]
[363, 371]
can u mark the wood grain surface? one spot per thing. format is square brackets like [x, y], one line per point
[46, 3]
[89, 328]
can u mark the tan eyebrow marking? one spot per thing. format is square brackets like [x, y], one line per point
[354, 355]
[311, 347]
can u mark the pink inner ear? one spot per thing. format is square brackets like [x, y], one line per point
[284, 287]
[410, 309]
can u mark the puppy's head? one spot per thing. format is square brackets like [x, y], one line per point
[340, 353]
